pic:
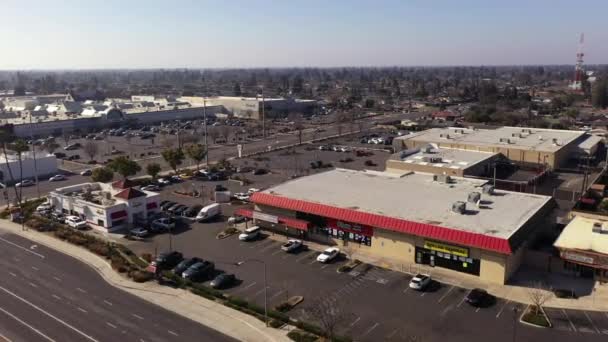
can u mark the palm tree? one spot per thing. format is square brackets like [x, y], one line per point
[19, 146]
[5, 139]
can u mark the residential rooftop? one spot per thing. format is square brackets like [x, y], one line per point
[579, 234]
[534, 139]
[416, 197]
[442, 157]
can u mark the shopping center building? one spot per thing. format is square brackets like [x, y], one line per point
[460, 224]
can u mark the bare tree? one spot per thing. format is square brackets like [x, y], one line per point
[91, 149]
[298, 126]
[213, 133]
[225, 131]
[65, 135]
[539, 295]
[328, 312]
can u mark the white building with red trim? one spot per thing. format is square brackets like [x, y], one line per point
[107, 207]
[460, 224]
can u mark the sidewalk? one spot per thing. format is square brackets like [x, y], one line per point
[233, 323]
[597, 300]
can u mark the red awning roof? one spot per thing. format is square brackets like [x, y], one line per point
[456, 236]
[287, 221]
[118, 214]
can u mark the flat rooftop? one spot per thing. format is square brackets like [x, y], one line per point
[578, 234]
[449, 158]
[416, 197]
[534, 139]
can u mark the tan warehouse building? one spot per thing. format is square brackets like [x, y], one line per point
[459, 224]
[527, 146]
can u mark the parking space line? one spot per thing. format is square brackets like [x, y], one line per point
[389, 336]
[370, 329]
[312, 262]
[276, 295]
[445, 294]
[462, 300]
[568, 318]
[276, 252]
[590, 321]
[503, 308]
[244, 288]
[354, 322]
[305, 256]
[259, 292]
[422, 294]
[477, 310]
[325, 266]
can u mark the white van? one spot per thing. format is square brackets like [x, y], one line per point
[209, 212]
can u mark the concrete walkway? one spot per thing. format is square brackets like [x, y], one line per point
[596, 300]
[229, 322]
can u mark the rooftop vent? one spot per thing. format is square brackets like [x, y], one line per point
[474, 197]
[505, 140]
[432, 160]
[443, 178]
[459, 207]
[526, 130]
[600, 227]
[427, 149]
[488, 189]
[555, 142]
[445, 136]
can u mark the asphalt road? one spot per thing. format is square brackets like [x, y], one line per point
[47, 296]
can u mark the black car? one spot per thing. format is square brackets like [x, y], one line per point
[223, 280]
[57, 217]
[167, 205]
[74, 157]
[199, 271]
[478, 298]
[258, 172]
[59, 155]
[184, 265]
[168, 260]
[179, 210]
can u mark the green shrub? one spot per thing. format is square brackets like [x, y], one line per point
[141, 276]
[276, 323]
[147, 257]
[283, 307]
[301, 336]
[311, 328]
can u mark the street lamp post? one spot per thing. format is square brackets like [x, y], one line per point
[205, 127]
[265, 285]
[515, 311]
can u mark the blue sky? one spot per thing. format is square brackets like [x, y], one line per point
[237, 33]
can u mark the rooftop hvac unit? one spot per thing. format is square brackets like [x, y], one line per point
[427, 149]
[488, 189]
[526, 130]
[406, 153]
[515, 135]
[474, 197]
[600, 227]
[554, 140]
[459, 207]
[434, 160]
[445, 136]
[505, 140]
[443, 178]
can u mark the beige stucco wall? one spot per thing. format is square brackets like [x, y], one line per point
[492, 267]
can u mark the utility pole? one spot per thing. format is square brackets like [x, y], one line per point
[205, 127]
[263, 115]
[34, 156]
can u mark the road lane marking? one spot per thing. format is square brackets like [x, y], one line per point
[568, 318]
[137, 316]
[105, 301]
[370, 329]
[6, 339]
[25, 324]
[48, 314]
[81, 290]
[111, 325]
[592, 324]
[13, 274]
[23, 248]
[33, 285]
[56, 296]
[81, 309]
[445, 295]
[172, 333]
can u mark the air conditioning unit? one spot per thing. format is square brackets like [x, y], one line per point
[488, 189]
[443, 178]
[459, 207]
[434, 160]
[474, 197]
[600, 227]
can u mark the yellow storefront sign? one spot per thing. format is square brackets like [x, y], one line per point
[444, 248]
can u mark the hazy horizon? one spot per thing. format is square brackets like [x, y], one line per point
[187, 34]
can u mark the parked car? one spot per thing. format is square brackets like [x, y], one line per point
[242, 196]
[173, 207]
[151, 187]
[73, 157]
[420, 282]
[44, 207]
[192, 211]
[185, 264]
[168, 260]
[59, 155]
[98, 137]
[25, 183]
[250, 233]
[199, 271]
[252, 190]
[163, 181]
[72, 147]
[292, 245]
[139, 232]
[236, 219]
[163, 224]
[164, 205]
[259, 172]
[86, 173]
[222, 281]
[209, 212]
[75, 222]
[179, 210]
[57, 217]
[478, 297]
[57, 178]
[328, 255]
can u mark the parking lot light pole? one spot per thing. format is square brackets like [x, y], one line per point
[205, 126]
[265, 285]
